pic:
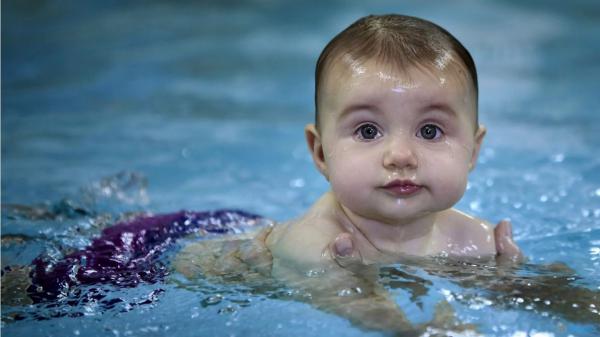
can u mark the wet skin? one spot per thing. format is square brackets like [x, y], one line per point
[247, 260]
[397, 149]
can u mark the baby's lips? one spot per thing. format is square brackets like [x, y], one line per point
[402, 187]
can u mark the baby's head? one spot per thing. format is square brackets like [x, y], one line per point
[398, 42]
[396, 130]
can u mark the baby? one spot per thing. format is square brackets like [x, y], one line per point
[396, 134]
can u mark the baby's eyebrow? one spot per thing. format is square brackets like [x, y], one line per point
[359, 107]
[432, 107]
[441, 107]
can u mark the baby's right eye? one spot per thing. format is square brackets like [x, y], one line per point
[367, 131]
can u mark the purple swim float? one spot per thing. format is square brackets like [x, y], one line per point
[127, 253]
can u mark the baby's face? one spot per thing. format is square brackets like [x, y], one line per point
[397, 147]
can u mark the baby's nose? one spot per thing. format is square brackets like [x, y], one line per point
[399, 154]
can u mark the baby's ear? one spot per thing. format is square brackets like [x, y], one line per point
[315, 146]
[479, 135]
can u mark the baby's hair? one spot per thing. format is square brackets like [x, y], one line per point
[400, 41]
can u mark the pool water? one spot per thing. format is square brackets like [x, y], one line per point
[110, 110]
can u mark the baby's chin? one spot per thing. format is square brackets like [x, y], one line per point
[392, 217]
[386, 209]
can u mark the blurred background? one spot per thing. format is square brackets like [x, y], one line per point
[161, 106]
[111, 107]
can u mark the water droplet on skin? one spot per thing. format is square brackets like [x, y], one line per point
[346, 292]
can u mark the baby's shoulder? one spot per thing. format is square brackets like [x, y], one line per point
[469, 234]
[302, 244]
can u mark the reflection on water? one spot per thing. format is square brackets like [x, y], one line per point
[207, 100]
[447, 295]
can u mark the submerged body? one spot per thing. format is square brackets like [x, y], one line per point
[350, 285]
[248, 254]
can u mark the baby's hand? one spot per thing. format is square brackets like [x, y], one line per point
[506, 248]
[344, 252]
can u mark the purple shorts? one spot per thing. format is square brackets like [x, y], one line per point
[128, 253]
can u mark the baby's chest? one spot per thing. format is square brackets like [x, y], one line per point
[467, 242]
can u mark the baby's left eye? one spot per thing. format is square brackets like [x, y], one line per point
[430, 132]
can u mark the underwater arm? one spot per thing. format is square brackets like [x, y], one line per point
[553, 288]
[349, 288]
[346, 287]
[363, 302]
[234, 258]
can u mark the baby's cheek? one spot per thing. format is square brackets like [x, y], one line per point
[449, 183]
[349, 178]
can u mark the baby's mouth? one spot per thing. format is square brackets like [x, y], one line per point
[402, 188]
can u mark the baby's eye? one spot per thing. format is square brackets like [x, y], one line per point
[368, 131]
[430, 132]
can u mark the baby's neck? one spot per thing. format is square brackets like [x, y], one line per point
[375, 238]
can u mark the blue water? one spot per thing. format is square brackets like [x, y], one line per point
[112, 108]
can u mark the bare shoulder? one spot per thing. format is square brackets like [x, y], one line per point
[303, 244]
[468, 235]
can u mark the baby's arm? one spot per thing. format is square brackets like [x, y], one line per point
[343, 284]
[233, 258]
[354, 295]
[331, 270]
[358, 297]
